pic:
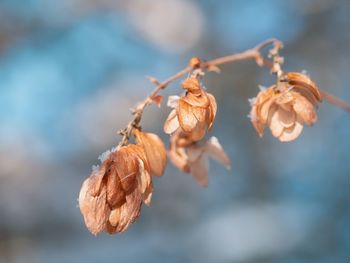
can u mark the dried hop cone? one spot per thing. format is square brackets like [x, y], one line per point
[286, 107]
[194, 112]
[192, 157]
[111, 198]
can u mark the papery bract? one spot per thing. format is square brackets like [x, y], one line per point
[154, 149]
[192, 157]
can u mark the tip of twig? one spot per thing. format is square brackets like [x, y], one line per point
[213, 68]
[195, 62]
[153, 80]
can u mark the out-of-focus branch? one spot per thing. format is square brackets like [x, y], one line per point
[335, 100]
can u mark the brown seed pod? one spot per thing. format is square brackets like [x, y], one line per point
[110, 199]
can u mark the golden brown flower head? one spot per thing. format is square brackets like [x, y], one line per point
[191, 157]
[110, 199]
[286, 107]
[194, 112]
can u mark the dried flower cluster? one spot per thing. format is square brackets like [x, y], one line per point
[111, 198]
[285, 107]
[192, 116]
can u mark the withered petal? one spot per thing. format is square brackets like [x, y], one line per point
[127, 167]
[198, 132]
[266, 108]
[187, 119]
[257, 124]
[155, 151]
[274, 123]
[301, 81]
[172, 101]
[97, 177]
[139, 152]
[94, 209]
[290, 134]
[157, 100]
[264, 96]
[213, 109]
[284, 98]
[305, 109]
[144, 183]
[214, 149]
[115, 191]
[200, 114]
[147, 196]
[180, 139]
[191, 84]
[171, 124]
[114, 217]
[194, 152]
[199, 170]
[130, 211]
[178, 157]
[197, 100]
[287, 117]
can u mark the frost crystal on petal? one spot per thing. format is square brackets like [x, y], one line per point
[262, 88]
[103, 156]
[304, 71]
[94, 168]
[252, 101]
[172, 101]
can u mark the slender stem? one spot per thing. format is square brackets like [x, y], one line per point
[335, 100]
[163, 85]
[248, 54]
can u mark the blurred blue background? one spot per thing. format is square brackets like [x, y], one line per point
[71, 69]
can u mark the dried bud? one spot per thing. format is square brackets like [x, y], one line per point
[194, 112]
[154, 149]
[191, 85]
[286, 107]
[195, 62]
[93, 207]
[191, 157]
[157, 100]
[110, 199]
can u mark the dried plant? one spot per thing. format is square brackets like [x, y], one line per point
[111, 198]
[286, 106]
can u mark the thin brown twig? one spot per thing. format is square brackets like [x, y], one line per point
[335, 100]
